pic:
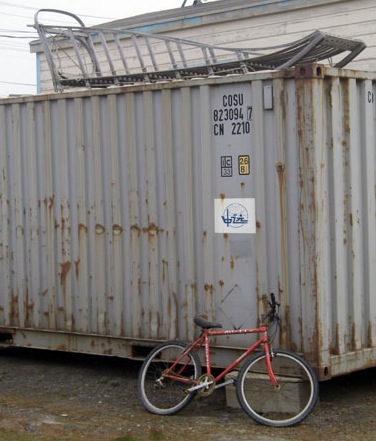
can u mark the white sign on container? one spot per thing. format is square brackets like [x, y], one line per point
[235, 216]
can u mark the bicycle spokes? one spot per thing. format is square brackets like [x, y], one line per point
[284, 404]
[163, 383]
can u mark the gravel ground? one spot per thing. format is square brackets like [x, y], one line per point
[48, 396]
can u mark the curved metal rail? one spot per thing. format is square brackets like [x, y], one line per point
[80, 56]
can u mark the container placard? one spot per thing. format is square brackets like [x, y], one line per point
[235, 216]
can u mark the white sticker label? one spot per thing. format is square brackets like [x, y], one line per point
[235, 216]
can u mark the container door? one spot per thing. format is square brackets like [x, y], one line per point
[233, 152]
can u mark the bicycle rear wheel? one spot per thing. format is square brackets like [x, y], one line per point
[283, 405]
[162, 395]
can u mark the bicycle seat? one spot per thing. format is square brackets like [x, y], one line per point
[204, 324]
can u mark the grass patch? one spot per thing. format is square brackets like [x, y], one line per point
[126, 438]
[155, 434]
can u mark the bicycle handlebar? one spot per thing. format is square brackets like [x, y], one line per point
[272, 314]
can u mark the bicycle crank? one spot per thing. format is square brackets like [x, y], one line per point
[207, 385]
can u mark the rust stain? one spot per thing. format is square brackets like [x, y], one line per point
[222, 196]
[369, 335]
[209, 288]
[49, 202]
[152, 229]
[82, 231]
[334, 350]
[30, 306]
[281, 167]
[14, 305]
[285, 334]
[309, 71]
[117, 229]
[135, 228]
[232, 262]
[353, 337]
[99, 229]
[65, 268]
[82, 228]
[164, 269]
[77, 266]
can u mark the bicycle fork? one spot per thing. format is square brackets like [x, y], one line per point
[268, 360]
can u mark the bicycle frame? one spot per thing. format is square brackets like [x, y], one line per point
[204, 340]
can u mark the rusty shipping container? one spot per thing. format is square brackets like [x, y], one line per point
[127, 211]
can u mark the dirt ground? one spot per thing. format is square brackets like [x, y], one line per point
[56, 396]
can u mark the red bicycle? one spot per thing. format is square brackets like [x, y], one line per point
[275, 387]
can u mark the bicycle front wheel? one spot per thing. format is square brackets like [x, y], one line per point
[286, 404]
[161, 394]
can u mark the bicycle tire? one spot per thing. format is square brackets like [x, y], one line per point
[166, 396]
[286, 405]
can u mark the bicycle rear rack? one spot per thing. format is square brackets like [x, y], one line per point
[80, 56]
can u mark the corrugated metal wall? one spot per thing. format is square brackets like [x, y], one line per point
[89, 216]
[337, 120]
[98, 195]
[116, 213]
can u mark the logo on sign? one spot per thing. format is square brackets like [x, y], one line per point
[235, 215]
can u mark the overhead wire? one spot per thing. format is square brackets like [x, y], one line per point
[15, 5]
[11, 39]
[16, 37]
[18, 84]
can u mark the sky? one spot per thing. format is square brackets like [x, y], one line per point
[17, 64]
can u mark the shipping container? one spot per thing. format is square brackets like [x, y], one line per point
[124, 212]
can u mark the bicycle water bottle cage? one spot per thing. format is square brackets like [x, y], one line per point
[204, 324]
